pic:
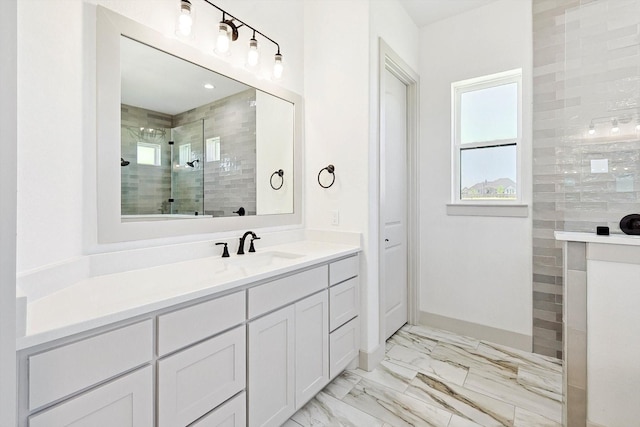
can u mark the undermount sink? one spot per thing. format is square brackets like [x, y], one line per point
[261, 259]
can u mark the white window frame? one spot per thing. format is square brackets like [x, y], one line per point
[470, 85]
[212, 149]
[157, 155]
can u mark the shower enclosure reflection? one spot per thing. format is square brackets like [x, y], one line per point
[198, 145]
[187, 170]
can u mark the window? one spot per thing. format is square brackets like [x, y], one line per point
[213, 149]
[486, 138]
[184, 155]
[149, 154]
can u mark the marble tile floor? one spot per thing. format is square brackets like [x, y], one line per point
[435, 378]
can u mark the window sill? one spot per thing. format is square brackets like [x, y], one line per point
[517, 211]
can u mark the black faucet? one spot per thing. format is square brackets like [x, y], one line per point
[243, 238]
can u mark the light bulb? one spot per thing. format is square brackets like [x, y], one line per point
[614, 126]
[592, 129]
[222, 43]
[185, 20]
[253, 55]
[638, 126]
[277, 66]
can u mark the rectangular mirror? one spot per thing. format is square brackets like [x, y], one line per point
[217, 150]
[197, 143]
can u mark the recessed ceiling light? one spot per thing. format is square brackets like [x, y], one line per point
[209, 86]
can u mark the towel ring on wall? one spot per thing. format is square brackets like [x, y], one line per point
[280, 173]
[329, 169]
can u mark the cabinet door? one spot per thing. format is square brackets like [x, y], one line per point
[125, 402]
[196, 380]
[231, 414]
[271, 368]
[312, 346]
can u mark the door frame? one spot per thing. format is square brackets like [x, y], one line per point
[389, 60]
[8, 226]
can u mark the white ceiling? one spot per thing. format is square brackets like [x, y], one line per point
[425, 12]
[157, 81]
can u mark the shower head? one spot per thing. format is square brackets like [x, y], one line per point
[192, 163]
[124, 162]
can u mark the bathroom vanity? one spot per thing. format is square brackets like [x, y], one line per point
[601, 329]
[246, 340]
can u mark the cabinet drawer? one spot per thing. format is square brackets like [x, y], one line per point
[343, 303]
[127, 401]
[342, 270]
[196, 380]
[73, 367]
[278, 293]
[189, 325]
[344, 345]
[231, 414]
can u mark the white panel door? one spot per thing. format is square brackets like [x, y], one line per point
[393, 209]
[125, 402]
[196, 380]
[312, 346]
[271, 384]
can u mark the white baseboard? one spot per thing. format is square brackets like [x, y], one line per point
[478, 331]
[368, 361]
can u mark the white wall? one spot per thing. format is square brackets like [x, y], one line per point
[341, 93]
[474, 269]
[56, 115]
[274, 151]
[8, 131]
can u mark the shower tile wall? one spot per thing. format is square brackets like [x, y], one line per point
[586, 72]
[230, 183]
[145, 188]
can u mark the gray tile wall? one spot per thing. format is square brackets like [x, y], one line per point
[215, 188]
[145, 188]
[231, 182]
[586, 70]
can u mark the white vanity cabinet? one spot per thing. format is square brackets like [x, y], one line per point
[344, 340]
[288, 359]
[125, 402]
[196, 380]
[251, 356]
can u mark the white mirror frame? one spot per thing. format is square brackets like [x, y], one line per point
[110, 26]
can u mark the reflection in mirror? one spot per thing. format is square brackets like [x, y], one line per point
[198, 143]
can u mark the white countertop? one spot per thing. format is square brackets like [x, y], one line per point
[612, 239]
[101, 300]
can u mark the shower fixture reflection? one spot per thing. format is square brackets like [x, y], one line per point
[192, 164]
[124, 162]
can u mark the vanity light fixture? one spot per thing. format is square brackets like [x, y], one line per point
[185, 19]
[277, 65]
[592, 129]
[615, 128]
[228, 32]
[253, 55]
[209, 86]
[638, 124]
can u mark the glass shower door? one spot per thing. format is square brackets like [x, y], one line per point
[187, 173]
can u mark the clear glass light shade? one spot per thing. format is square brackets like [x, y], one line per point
[185, 19]
[222, 42]
[277, 66]
[253, 55]
[592, 129]
[614, 126]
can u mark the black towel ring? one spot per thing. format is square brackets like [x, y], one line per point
[331, 169]
[280, 173]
